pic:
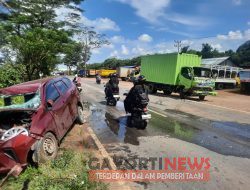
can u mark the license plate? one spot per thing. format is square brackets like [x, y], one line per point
[116, 96]
[146, 117]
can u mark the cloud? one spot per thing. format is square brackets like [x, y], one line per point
[248, 23]
[235, 35]
[145, 38]
[108, 46]
[187, 20]
[217, 46]
[114, 53]
[96, 51]
[117, 39]
[125, 50]
[100, 24]
[157, 12]
[148, 9]
[237, 2]
[247, 34]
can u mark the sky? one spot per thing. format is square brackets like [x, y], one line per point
[139, 27]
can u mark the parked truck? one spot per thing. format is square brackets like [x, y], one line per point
[177, 73]
[245, 81]
[124, 72]
[91, 72]
[106, 72]
[225, 76]
[81, 73]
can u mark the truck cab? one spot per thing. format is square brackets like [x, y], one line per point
[196, 81]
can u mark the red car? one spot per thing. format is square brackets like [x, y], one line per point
[34, 117]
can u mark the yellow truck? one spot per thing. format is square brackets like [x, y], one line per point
[106, 72]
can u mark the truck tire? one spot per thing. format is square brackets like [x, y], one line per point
[152, 89]
[202, 98]
[220, 86]
[182, 94]
[167, 92]
[243, 87]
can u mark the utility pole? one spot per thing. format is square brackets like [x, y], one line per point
[178, 45]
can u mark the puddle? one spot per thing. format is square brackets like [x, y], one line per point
[226, 142]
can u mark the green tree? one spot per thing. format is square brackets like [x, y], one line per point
[73, 55]
[243, 54]
[184, 49]
[34, 34]
[10, 74]
[89, 40]
[206, 51]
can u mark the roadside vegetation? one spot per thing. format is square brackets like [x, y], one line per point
[34, 40]
[69, 171]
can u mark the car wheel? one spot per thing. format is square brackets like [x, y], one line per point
[80, 116]
[47, 148]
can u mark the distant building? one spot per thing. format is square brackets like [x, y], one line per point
[220, 61]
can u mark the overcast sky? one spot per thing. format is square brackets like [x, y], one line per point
[137, 27]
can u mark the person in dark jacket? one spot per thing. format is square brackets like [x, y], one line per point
[112, 85]
[137, 96]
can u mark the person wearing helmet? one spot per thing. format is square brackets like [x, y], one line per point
[137, 95]
[112, 85]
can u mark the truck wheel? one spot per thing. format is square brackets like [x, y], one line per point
[152, 89]
[167, 92]
[242, 87]
[220, 86]
[182, 94]
[47, 148]
[202, 98]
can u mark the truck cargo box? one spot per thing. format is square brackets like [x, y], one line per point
[165, 68]
[106, 72]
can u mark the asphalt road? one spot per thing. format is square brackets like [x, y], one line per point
[177, 128]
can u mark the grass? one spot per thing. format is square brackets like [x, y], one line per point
[67, 172]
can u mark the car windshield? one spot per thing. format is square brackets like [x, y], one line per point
[20, 101]
[202, 72]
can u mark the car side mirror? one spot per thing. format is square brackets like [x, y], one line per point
[50, 104]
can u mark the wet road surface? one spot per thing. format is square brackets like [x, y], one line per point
[222, 137]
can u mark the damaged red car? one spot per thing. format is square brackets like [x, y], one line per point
[34, 117]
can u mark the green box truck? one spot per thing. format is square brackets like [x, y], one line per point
[177, 73]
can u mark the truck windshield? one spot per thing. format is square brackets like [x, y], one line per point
[202, 72]
[244, 75]
[20, 101]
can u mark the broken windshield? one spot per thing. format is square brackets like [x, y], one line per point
[20, 101]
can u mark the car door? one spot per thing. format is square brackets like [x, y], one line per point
[66, 103]
[74, 98]
[57, 108]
